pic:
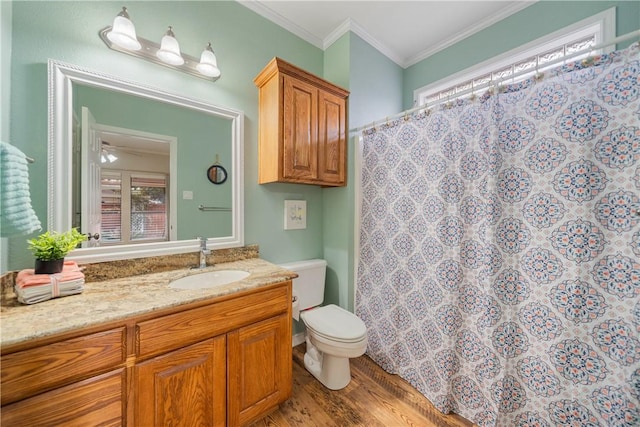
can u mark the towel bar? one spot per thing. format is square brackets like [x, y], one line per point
[213, 209]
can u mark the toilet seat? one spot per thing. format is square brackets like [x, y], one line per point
[335, 324]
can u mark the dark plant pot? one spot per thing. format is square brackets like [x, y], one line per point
[49, 267]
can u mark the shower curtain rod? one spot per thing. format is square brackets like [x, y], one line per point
[624, 37]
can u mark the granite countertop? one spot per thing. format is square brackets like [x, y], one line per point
[122, 298]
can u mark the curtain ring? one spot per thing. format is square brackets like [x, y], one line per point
[425, 109]
[538, 75]
[448, 104]
[589, 60]
[492, 87]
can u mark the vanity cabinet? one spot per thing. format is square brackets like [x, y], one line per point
[221, 362]
[259, 368]
[184, 387]
[74, 381]
[92, 402]
[236, 351]
[302, 127]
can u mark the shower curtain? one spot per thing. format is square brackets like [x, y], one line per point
[499, 266]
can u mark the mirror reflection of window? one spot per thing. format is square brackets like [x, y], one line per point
[111, 228]
[134, 207]
[149, 213]
[143, 135]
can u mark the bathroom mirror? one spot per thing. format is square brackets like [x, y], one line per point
[181, 192]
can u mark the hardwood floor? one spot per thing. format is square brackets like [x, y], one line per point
[372, 398]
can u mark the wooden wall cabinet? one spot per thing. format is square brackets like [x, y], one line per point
[302, 127]
[223, 363]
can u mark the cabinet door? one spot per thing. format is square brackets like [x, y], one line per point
[186, 387]
[92, 402]
[259, 360]
[332, 142]
[300, 131]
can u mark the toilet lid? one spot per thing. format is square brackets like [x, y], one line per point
[335, 323]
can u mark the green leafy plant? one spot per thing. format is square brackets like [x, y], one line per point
[52, 246]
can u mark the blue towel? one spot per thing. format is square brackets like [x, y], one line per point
[16, 214]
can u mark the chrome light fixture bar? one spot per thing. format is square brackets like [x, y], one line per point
[205, 68]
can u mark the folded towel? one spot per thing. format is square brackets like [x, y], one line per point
[42, 293]
[70, 271]
[32, 288]
[16, 214]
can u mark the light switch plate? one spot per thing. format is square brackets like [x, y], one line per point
[295, 214]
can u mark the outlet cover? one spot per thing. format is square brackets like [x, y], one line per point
[295, 214]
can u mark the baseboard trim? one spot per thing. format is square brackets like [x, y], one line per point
[297, 339]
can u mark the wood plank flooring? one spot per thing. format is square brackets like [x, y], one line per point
[373, 398]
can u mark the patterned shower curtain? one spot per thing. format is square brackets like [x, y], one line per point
[499, 266]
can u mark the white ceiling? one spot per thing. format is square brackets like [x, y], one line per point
[405, 31]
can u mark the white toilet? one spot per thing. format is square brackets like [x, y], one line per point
[333, 334]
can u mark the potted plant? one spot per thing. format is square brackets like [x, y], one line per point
[50, 248]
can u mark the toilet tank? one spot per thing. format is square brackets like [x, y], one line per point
[309, 285]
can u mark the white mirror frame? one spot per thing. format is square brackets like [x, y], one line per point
[59, 191]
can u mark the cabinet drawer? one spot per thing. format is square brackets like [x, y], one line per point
[33, 371]
[177, 330]
[92, 402]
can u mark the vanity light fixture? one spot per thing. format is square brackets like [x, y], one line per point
[122, 38]
[106, 155]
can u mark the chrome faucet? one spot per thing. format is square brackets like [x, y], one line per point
[203, 252]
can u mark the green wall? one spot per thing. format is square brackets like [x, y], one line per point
[5, 67]
[535, 21]
[244, 43]
[337, 213]
[5, 93]
[375, 83]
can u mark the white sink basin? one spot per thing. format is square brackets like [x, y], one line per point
[208, 280]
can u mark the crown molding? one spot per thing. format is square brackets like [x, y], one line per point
[283, 22]
[351, 25]
[504, 13]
